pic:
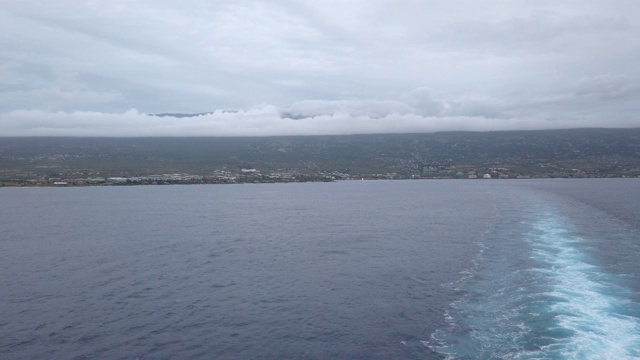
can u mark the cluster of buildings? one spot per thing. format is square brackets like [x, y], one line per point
[253, 175]
[221, 176]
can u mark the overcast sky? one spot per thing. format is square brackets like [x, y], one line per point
[71, 67]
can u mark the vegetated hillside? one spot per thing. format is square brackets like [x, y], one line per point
[588, 152]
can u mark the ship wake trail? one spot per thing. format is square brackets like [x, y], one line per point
[562, 305]
[590, 305]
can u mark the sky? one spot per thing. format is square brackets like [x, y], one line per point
[307, 67]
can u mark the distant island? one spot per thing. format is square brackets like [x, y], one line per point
[73, 161]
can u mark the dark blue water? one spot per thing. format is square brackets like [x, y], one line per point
[348, 270]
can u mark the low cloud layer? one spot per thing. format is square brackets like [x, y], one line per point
[268, 120]
[323, 67]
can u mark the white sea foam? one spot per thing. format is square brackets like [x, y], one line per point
[588, 304]
[562, 304]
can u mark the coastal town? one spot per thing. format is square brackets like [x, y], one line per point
[578, 153]
[253, 175]
[218, 177]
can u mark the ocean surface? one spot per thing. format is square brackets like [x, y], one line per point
[458, 269]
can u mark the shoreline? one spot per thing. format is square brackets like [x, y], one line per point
[168, 183]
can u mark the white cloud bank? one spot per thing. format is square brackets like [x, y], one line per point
[265, 120]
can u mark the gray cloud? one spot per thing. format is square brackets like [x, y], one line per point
[76, 67]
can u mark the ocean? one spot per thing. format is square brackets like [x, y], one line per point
[436, 269]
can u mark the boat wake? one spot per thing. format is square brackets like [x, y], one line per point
[547, 300]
